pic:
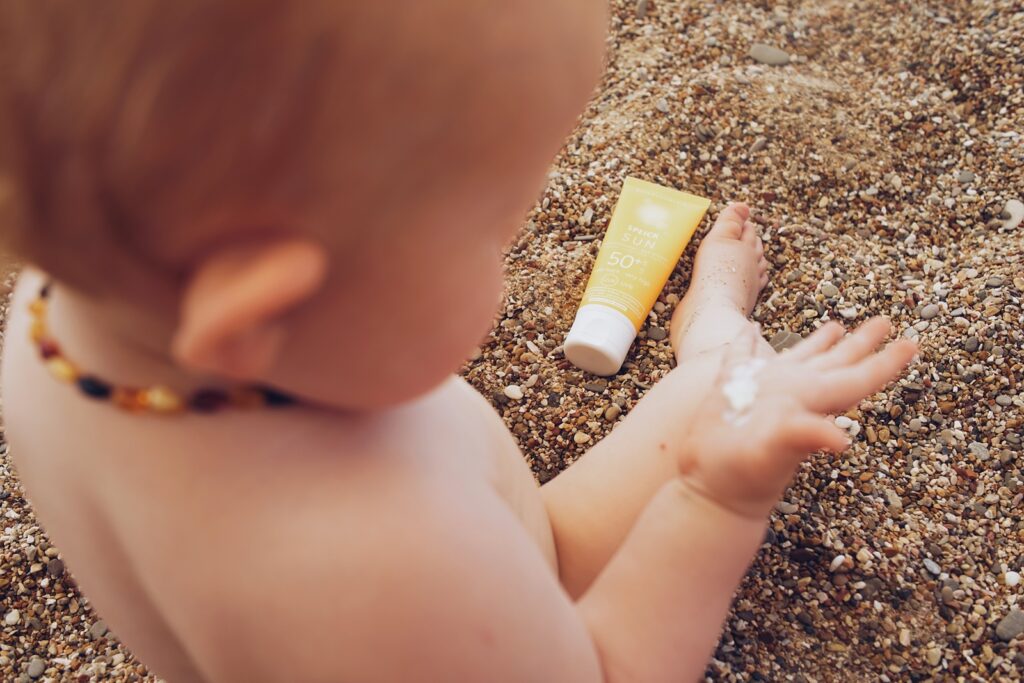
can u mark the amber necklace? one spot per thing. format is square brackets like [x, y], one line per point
[154, 399]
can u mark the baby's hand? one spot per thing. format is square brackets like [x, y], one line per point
[765, 415]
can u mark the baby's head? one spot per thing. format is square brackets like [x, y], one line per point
[312, 195]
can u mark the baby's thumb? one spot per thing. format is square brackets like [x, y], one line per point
[807, 433]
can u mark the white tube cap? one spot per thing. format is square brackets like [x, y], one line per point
[599, 339]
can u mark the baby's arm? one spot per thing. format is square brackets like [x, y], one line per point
[595, 502]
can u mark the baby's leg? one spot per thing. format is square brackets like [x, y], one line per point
[728, 275]
[594, 503]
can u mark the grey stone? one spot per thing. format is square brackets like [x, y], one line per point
[1011, 626]
[966, 177]
[932, 568]
[656, 333]
[929, 311]
[979, 450]
[759, 145]
[98, 629]
[36, 667]
[767, 54]
[785, 340]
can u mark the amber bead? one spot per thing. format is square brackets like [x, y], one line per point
[37, 332]
[248, 398]
[94, 387]
[276, 399]
[62, 369]
[48, 349]
[162, 400]
[208, 400]
[128, 399]
[38, 308]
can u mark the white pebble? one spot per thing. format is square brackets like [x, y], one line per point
[1011, 578]
[837, 562]
[843, 422]
[12, 617]
[514, 392]
[848, 313]
[581, 437]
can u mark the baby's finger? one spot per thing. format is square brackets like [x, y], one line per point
[844, 387]
[857, 345]
[805, 433]
[820, 340]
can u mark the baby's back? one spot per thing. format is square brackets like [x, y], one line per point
[159, 516]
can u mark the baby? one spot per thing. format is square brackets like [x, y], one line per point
[263, 236]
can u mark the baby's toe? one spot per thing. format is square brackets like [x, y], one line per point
[730, 222]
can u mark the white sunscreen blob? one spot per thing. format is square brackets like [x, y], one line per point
[741, 390]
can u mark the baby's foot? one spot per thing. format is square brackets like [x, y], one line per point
[728, 274]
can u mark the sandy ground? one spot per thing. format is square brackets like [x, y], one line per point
[884, 161]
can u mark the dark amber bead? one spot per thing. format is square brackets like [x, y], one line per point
[275, 398]
[48, 349]
[247, 399]
[208, 400]
[94, 387]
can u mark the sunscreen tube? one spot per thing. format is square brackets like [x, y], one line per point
[649, 230]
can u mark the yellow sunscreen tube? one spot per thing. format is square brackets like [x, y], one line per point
[650, 228]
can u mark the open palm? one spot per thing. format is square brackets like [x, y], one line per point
[742, 451]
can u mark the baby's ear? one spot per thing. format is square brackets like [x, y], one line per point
[234, 300]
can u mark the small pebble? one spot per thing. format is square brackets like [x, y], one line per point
[98, 629]
[837, 562]
[759, 145]
[932, 568]
[829, 289]
[965, 177]
[1011, 626]
[786, 508]
[12, 617]
[929, 311]
[767, 54]
[843, 422]
[514, 392]
[979, 450]
[612, 413]
[581, 437]
[656, 333]
[36, 667]
[1013, 214]
[1011, 578]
